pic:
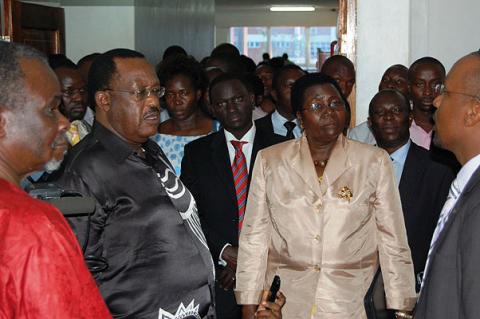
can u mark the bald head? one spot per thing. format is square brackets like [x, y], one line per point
[472, 74]
[342, 70]
[458, 109]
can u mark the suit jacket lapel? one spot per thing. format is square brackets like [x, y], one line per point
[457, 209]
[338, 162]
[412, 171]
[302, 164]
[221, 161]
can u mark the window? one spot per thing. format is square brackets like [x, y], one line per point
[304, 45]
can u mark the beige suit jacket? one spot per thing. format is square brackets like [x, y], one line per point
[323, 244]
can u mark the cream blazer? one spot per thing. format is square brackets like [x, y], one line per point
[325, 240]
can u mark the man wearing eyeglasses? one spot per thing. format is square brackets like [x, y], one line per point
[451, 285]
[144, 243]
[423, 183]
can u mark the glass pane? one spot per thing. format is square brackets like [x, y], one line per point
[320, 39]
[289, 40]
[251, 41]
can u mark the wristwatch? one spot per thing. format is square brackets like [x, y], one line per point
[402, 315]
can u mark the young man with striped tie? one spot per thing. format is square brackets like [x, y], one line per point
[216, 169]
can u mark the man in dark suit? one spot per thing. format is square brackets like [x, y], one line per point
[220, 186]
[423, 183]
[451, 285]
[282, 125]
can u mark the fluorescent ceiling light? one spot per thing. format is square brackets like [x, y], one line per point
[297, 8]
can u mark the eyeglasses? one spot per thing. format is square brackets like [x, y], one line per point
[320, 108]
[440, 90]
[142, 94]
[234, 100]
[71, 92]
[395, 111]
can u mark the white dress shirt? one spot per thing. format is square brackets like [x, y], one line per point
[246, 148]
[278, 128]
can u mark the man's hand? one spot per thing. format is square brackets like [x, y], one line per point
[227, 278]
[266, 310]
[230, 254]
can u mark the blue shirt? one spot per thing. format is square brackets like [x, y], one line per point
[398, 160]
[278, 127]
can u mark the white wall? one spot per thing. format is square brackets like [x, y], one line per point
[91, 29]
[382, 40]
[444, 29]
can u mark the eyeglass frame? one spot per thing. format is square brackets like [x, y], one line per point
[136, 93]
[320, 108]
[440, 90]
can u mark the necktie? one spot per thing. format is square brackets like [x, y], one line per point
[240, 178]
[290, 126]
[447, 209]
[74, 134]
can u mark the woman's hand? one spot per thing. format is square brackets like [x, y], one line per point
[266, 310]
[270, 310]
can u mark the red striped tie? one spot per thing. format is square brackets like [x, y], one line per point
[240, 177]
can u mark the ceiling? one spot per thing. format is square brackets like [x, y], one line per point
[261, 4]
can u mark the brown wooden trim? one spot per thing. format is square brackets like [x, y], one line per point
[7, 18]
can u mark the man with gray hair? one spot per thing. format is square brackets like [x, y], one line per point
[42, 272]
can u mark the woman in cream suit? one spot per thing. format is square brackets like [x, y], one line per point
[322, 213]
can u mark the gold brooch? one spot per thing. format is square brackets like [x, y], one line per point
[345, 193]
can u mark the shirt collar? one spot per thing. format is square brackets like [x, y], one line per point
[400, 155]
[248, 137]
[467, 171]
[115, 145]
[277, 117]
[419, 128]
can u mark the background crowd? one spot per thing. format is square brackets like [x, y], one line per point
[211, 177]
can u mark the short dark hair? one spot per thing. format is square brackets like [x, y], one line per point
[248, 65]
[278, 74]
[173, 50]
[256, 83]
[12, 76]
[60, 61]
[103, 69]
[337, 59]
[184, 65]
[309, 80]
[230, 61]
[425, 60]
[406, 101]
[230, 77]
[225, 48]
[88, 57]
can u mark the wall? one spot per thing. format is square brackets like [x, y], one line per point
[382, 40]
[98, 28]
[161, 23]
[444, 29]
[224, 19]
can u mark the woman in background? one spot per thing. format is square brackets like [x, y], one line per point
[184, 82]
